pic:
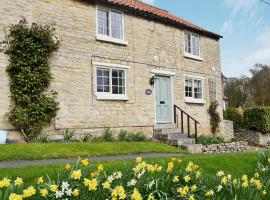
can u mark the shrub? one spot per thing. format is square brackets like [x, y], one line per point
[68, 134]
[235, 116]
[138, 137]
[30, 49]
[43, 139]
[125, 136]
[257, 119]
[87, 137]
[107, 136]
[214, 116]
[207, 140]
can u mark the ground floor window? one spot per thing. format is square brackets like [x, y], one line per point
[193, 88]
[111, 81]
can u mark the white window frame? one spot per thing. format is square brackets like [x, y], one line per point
[109, 38]
[191, 55]
[110, 95]
[193, 99]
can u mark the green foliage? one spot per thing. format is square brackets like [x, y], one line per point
[68, 134]
[107, 136]
[207, 140]
[257, 119]
[87, 137]
[43, 139]
[238, 92]
[30, 50]
[125, 136]
[235, 116]
[214, 116]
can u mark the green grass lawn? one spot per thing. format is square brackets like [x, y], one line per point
[70, 150]
[237, 164]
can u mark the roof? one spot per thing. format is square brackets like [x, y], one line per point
[163, 15]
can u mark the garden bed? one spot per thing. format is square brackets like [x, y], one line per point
[213, 176]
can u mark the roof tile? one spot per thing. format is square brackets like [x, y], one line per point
[143, 7]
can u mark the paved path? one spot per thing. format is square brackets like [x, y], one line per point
[25, 163]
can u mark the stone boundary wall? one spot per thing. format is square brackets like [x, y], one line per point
[226, 147]
[254, 138]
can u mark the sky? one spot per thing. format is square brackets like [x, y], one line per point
[244, 24]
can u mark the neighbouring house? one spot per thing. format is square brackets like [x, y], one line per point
[122, 64]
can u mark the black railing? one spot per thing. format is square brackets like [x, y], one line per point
[189, 118]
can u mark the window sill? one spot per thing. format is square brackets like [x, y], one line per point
[112, 40]
[195, 101]
[187, 55]
[112, 97]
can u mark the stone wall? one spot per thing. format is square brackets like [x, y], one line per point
[226, 130]
[74, 73]
[254, 138]
[226, 147]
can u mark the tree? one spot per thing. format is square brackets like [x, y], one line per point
[238, 92]
[260, 85]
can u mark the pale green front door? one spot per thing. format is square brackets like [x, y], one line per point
[163, 99]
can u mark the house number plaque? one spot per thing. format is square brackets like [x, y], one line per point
[148, 91]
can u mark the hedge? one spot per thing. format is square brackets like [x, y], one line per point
[257, 119]
[235, 116]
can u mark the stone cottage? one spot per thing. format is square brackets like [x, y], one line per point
[122, 64]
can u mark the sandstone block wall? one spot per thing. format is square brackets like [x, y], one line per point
[73, 71]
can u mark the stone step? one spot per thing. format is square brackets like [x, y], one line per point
[177, 136]
[182, 141]
[193, 148]
[170, 131]
[164, 126]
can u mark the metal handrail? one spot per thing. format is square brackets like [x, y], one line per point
[188, 121]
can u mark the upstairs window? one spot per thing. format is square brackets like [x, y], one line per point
[193, 88]
[192, 44]
[110, 24]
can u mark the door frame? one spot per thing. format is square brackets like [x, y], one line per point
[170, 75]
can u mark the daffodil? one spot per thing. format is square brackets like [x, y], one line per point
[30, 191]
[18, 181]
[14, 196]
[106, 185]
[67, 167]
[209, 193]
[176, 179]
[191, 197]
[151, 197]
[138, 160]
[100, 168]
[136, 195]
[193, 188]
[76, 192]
[44, 192]
[40, 180]
[170, 167]
[76, 174]
[53, 188]
[85, 162]
[5, 183]
[187, 178]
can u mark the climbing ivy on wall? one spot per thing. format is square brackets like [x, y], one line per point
[30, 49]
[214, 116]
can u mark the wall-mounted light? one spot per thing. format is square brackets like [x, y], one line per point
[152, 80]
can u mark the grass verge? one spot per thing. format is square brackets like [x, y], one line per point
[72, 150]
